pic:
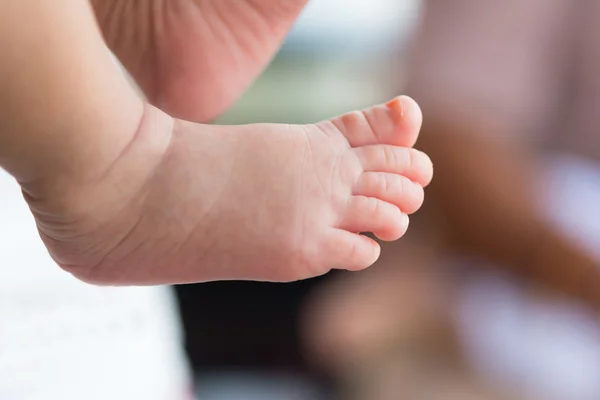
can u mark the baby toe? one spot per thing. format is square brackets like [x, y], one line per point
[350, 251]
[369, 214]
[395, 189]
[413, 164]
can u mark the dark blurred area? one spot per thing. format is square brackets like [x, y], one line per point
[493, 294]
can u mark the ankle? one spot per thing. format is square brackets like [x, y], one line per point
[129, 156]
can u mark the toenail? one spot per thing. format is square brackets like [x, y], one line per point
[395, 105]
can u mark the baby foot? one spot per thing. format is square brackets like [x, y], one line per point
[189, 203]
[193, 58]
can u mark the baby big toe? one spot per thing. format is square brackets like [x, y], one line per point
[397, 123]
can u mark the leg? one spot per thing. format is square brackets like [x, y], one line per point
[125, 194]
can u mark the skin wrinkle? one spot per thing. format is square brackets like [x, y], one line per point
[94, 232]
[229, 24]
[221, 27]
[217, 199]
[258, 12]
[91, 271]
[410, 160]
[126, 148]
[339, 124]
[386, 184]
[370, 123]
[299, 243]
[267, 29]
[354, 159]
[334, 173]
[390, 156]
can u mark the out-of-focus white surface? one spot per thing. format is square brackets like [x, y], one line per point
[63, 339]
[550, 350]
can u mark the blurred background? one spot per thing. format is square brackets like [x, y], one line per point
[493, 293]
